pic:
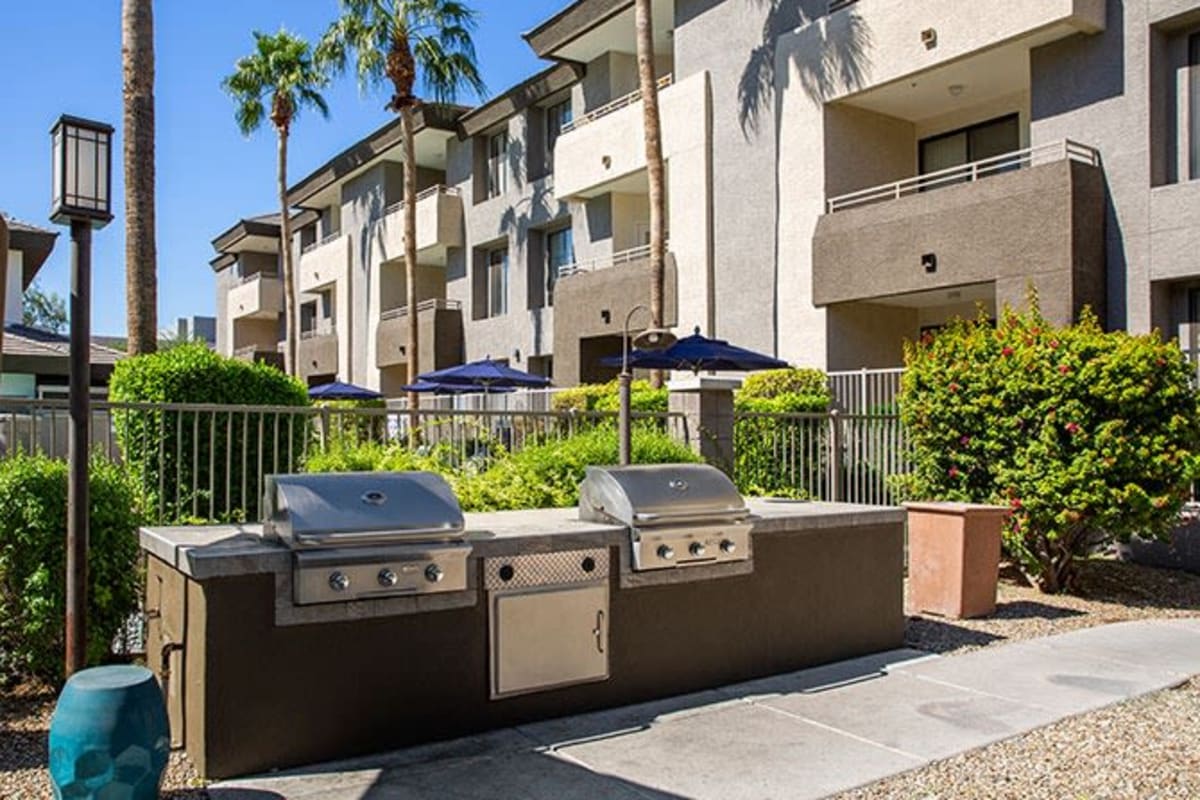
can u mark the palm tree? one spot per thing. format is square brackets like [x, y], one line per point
[141, 279]
[393, 40]
[652, 131]
[280, 72]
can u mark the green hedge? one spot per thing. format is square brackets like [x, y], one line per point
[1086, 435]
[542, 476]
[33, 521]
[170, 452]
[778, 455]
[604, 397]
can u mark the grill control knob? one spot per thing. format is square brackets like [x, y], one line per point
[387, 577]
[339, 581]
[728, 547]
[434, 573]
[697, 549]
[666, 552]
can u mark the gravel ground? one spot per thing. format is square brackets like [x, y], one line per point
[1146, 749]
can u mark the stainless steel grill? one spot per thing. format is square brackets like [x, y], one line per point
[362, 535]
[678, 515]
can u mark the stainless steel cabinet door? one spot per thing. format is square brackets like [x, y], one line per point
[549, 637]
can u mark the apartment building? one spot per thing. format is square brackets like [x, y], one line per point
[842, 175]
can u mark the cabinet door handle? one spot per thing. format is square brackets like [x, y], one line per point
[598, 631]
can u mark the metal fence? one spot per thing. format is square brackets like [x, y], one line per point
[866, 391]
[208, 462]
[834, 457]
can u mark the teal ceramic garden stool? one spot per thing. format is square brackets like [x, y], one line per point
[109, 735]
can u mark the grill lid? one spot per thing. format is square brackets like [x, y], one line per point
[659, 494]
[360, 508]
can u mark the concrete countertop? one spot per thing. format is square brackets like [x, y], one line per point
[213, 551]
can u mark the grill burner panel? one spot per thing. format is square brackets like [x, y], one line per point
[361, 536]
[678, 515]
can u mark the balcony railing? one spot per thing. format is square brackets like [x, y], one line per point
[1065, 150]
[325, 329]
[435, 304]
[251, 350]
[604, 262]
[613, 106]
[308, 248]
[254, 276]
[432, 191]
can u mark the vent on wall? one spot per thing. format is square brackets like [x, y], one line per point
[838, 5]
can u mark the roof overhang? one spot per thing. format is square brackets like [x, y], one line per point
[570, 23]
[431, 122]
[223, 261]
[544, 85]
[587, 29]
[260, 234]
[35, 246]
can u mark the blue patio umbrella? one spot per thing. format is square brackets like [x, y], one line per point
[342, 391]
[485, 375]
[427, 387]
[699, 353]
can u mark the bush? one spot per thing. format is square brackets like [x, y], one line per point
[604, 397]
[170, 451]
[781, 455]
[1088, 436]
[33, 524]
[372, 457]
[349, 429]
[548, 476]
[810, 384]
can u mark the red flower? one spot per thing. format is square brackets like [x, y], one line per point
[1054, 344]
[953, 472]
[1015, 502]
[1072, 427]
[965, 440]
[954, 387]
[1008, 351]
[1064, 369]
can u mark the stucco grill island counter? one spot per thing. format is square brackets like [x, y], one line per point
[551, 615]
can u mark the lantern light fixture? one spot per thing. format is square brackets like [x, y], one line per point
[82, 171]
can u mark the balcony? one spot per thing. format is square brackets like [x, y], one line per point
[631, 256]
[261, 354]
[440, 335]
[603, 147]
[317, 351]
[1035, 214]
[882, 42]
[323, 263]
[439, 226]
[257, 296]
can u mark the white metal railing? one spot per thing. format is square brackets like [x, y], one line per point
[612, 106]
[313, 246]
[432, 191]
[865, 391]
[434, 304]
[604, 262]
[324, 329]
[1065, 150]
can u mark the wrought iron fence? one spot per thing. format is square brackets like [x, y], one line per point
[197, 462]
[833, 457]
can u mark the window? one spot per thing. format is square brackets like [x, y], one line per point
[557, 116]
[976, 143]
[560, 251]
[308, 316]
[497, 278]
[1194, 105]
[497, 168]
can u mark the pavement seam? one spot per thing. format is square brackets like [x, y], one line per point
[838, 731]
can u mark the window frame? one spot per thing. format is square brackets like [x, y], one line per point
[966, 130]
[552, 268]
[497, 164]
[497, 302]
[555, 123]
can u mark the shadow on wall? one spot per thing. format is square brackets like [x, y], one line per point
[1080, 70]
[832, 58]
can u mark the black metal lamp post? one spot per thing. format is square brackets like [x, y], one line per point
[83, 199]
[649, 339]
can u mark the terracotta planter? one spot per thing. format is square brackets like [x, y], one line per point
[953, 558]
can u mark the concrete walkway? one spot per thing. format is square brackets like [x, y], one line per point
[803, 735]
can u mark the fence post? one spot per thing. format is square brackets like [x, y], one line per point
[706, 404]
[835, 456]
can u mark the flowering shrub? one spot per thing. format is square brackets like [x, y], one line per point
[1086, 435]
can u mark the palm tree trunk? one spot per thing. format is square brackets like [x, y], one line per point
[141, 281]
[3, 283]
[652, 129]
[285, 245]
[410, 260]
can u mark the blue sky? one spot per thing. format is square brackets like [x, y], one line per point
[66, 58]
